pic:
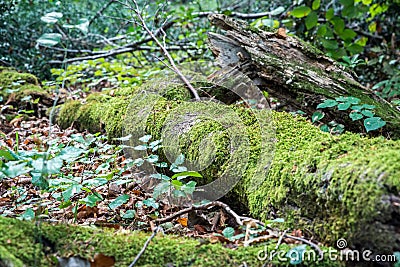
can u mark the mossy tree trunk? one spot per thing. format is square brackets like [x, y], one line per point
[297, 74]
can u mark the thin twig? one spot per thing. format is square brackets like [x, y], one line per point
[238, 218]
[280, 239]
[98, 13]
[145, 246]
[124, 49]
[315, 246]
[165, 51]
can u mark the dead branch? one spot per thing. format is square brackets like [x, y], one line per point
[165, 52]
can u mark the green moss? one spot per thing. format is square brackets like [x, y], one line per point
[9, 76]
[67, 114]
[334, 186]
[333, 180]
[308, 48]
[8, 259]
[25, 241]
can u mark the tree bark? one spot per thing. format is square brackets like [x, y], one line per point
[294, 72]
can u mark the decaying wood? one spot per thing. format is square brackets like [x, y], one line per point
[297, 74]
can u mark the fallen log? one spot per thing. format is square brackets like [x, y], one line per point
[333, 187]
[297, 74]
[344, 186]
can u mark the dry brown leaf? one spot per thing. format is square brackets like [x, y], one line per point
[182, 221]
[101, 260]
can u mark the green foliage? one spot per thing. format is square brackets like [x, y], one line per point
[52, 171]
[175, 185]
[388, 88]
[358, 112]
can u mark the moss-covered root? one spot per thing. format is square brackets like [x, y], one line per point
[30, 244]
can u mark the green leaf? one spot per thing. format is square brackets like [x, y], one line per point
[338, 129]
[379, 84]
[7, 155]
[277, 220]
[129, 214]
[28, 215]
[329, 14]
[355, 116]
[118, 201]
[13, 169]
[160, 176]
[295, 254]
[178, 169]
[322, 30]
[140, 147]
[124, 138]
[176, 183]
[300, 11]
[373, 123]
[138, 162]
[228, 232]
[338, 24]
[357, 108]
[311, 20]
[277, 11]
[347, 2]
[316, 4]
[150, 202]
[103, 167]
[39, 180]
[71, 153]
[317, 116]
[189, 187]
[355, 48]
[348, 35]
[161, 188]
[83, 25]
[367, 113]
[325, 128]
[350, 99]
[92, 199]
[366, 106]
[95, 182]
[71, 190]
[145, 138]
[161, 165]
[329, 44]
[186, 174]
[362, 41]
[155, 143]
[344, 106]
[51, 17]
[49, 39]
[180, 159]
[328, 103]
[152, 158]
[54, 165]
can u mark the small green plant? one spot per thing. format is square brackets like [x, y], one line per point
[352, 62]
[170, 185]
[54, 170]
[389, 88]
[358, 112]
